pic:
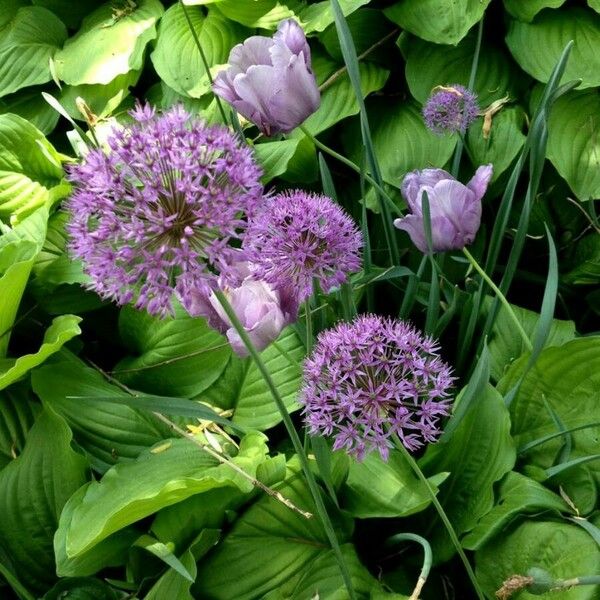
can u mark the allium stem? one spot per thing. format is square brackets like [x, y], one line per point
[501, 297]
[441, 512]
[427, 558]
[295, 439]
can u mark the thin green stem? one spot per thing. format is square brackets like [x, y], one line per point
[501, 297]
[202, 57]
[295, 439]
[352, 166]
[308, 321]
[441, 512]
[427, 558]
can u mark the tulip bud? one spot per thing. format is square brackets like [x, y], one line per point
[269, 80]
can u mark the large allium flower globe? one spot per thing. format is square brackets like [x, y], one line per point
[298, 237]
[371, 378]
[157, 211]
[450, 109]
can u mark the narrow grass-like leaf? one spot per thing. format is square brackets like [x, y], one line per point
[161, 551]
[556, 470]
[323, 456]
[589, 527]
[552, 436]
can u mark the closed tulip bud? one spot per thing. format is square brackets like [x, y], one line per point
[269, 80]
[455, 209]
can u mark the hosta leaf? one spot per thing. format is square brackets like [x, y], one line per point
[62, 329]
[27, 43]
[274, 157]
[537, 46]
[17, 415]
[31, 106]
[565, 551]
[176, 58]
[439, 21]
[525, 11]
[29, 168]
[131, 491]
[585, 263]
[595, 4]
[319, 16]
[108, 432]
[573, 144]
[33, 491]
[69, 12]
[429, 65]
[264, 14]
[108, 44]
[179, 356]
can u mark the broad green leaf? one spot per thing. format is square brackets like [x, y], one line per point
[319, 16]
[61, 330]
[134, 490]
[176, 356]
[18, 249]
[17, 415]
[243, 388]
[302, 168]
[429, 65]
[27, 44]
[172, 584]
[503, 143]
[9, 10]
[567, 379]
[505, 345]
[438, 21]
[537, 46]
[275, 553]
[107, 432]
[479, 453]
[565, 551]
[585, 262]
[525, 11]
[81, 588]
[176, 57]
[69, 12]
[107, 44]
[401, 140]
[376, 488]
[31, 106]
[517, 495]
[573, 144]
[264, 14]
[33, 491]
[274, 157]
[164, 553]
[595, 4]
[29, 168]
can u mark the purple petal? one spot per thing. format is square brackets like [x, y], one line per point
[223, 86]
[480, 181]
[292, 35]
[254, 51]
[414, 181]
[414, 226]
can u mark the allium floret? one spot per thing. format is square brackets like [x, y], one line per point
[156, 211]
[298, 237]
[450, 109]
[372, 378]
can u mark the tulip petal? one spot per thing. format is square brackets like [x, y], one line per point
[293, 37]
[414, 181]
[255, 89]
[480, 181]
[254, 51]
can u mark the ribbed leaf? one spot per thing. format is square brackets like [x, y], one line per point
[274, 157]
[17, 415]
[525, 11]
[264, 14]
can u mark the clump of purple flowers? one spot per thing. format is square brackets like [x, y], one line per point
[450, 109]
[298, 237]
[373, 378]
[157, 211]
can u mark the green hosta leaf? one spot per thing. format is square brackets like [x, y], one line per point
[176, 58]
[81, 588]
[537, 46]
[18, 249]
[401, 140]
[27, 44]
[131, 491]
[180, 356]
[439, 21]
[319, 16]
[33, 491]
[565, 551]
[29, 168]
[31, 106]
[61, 330]
[172, 584]
[525, 11]
[274, 157]
[429, 65]
[586, 261]
[17, 415]
[567, 379]
[71, 13]
[505, 346]
[375, 488]
[107, 432]
[107, 46]
[264, 14]
[517, 495]
[573, 144]
[275, 553]
[243, 388]
[479, 453]
[595, 4]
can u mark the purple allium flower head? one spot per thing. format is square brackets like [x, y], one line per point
[155, 213]
[455, 209]
[263, 311]
[371, 378]
[270, 80]
[450, 109]
[299, 236]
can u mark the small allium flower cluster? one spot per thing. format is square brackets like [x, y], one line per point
[298, 237]
[371, 378]
[450, 109]
[157, 211]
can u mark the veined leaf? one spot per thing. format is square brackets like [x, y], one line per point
[526, 11]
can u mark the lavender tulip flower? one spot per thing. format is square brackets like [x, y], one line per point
[455, 208]
[270, 81]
